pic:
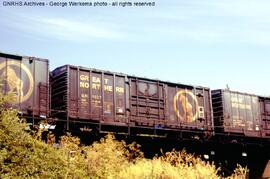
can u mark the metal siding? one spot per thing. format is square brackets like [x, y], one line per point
[120, 98]
[84, 94]
[108, 97]
[228, 112]
[147, 102]
[96, 96]
[42, 86]
[183, 105]
[240, 113]
[265, 116]
[73, 93]
[27, 78]
[208, 109]
[59, 91]
[172, 118]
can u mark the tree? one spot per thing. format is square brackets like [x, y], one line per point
[22, 155]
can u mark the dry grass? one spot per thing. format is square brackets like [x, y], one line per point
[110, 158]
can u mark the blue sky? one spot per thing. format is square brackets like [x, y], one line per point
[209, 43]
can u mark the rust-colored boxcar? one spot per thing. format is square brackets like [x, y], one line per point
[28, 79]
[169, 105]
[86, 94]
[236, 112]
[82, 93]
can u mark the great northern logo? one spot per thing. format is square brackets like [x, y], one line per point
[185, 106]
[18, 78]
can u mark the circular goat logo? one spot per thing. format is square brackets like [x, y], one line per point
[185, 106]
[21, 83]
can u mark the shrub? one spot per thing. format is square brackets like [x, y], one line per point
[23, 156]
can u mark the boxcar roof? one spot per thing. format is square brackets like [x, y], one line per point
[20, 57]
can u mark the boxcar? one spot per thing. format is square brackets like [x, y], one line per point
[90, 95]
[236, 112]
[265, 116]
[28, 79]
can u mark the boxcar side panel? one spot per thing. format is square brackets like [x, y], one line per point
[59, 92]
[96, 99]
[189, 107]
[207, 112]
[84, 94]
[147, 102]
[238, 112]
[27, 78]
[108, 92]
[171, 119]
[265, 116]
[120, 99]
[73, 93]
[42, 87]
[218, 110]
[96, 95]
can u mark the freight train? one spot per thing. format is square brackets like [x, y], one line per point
[85, 100]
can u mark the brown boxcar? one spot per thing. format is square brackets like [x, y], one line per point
[236, 112]
[265, 116]
[171, 105]
[28, 79]
[112, 98]
[89, 94]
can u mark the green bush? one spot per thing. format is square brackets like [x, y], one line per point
[23, 156]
